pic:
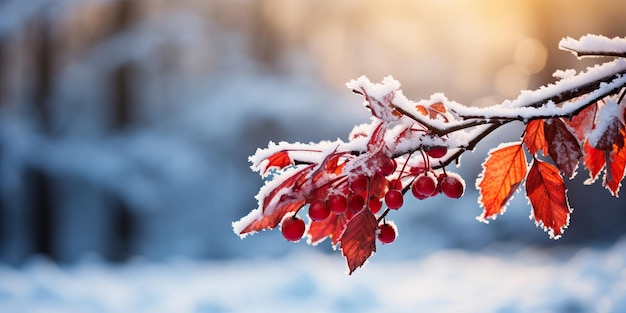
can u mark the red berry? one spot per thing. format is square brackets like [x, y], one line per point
[452, 186]
[319, 210]
[394, 199]
[292, 228]
[417, 195]
[437, 152]
[375, 205]
[386, 233]
[355, 203]
[388, 166]
[358, 183]
[424, 185]
[338, 204]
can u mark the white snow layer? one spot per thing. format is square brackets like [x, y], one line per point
[583, 280]
[594, 44]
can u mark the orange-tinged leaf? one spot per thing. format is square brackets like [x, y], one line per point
[615, 171]
[534, 137]
[547, 194]
[594, 161]
[358, 240]
[332, 226]
[279, 159]
[503, 171]
[563, 146]
[433, 110]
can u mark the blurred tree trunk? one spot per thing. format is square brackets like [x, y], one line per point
[123, 116]
[40, 182]
[121, 78]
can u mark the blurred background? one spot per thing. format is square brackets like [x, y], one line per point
[125, 125]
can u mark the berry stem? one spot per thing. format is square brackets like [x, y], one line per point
[382, 216]
[402, 170]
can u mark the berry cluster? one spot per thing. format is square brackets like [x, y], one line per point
[388, 184]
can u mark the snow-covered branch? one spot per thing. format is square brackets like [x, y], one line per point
[408, 145]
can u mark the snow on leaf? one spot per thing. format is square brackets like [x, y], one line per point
[333, 166]
[563, 146]
[534, 137]
[332, 226]
[433, 110]
[547, 194]
[255, 222]
[608, 128]
[279, 159]
[378, 97]
[582, 123]
[377, 140]
[276, 198]
[358, 240]
[615, 171]
[503, 171]
[594, 160]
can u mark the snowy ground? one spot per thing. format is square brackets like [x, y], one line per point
[574, 280]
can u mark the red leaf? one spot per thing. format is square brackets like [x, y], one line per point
[594, 160]
[333, 226]
[407, 134]
[377, 140]
[281, 199]
[358, 240]
[563, 146]
[279, 159]
[503, 171]
[332, 165]
[615, 171]
[534, 137]
[546, 191]
[582, 123]
[272, 220]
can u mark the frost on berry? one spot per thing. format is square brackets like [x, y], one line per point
[387, 166]
[387, 232]
[452, 185]
[425, 185]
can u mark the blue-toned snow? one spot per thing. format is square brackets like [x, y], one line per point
[570, 280]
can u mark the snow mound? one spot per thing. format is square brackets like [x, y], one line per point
[567, 280]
